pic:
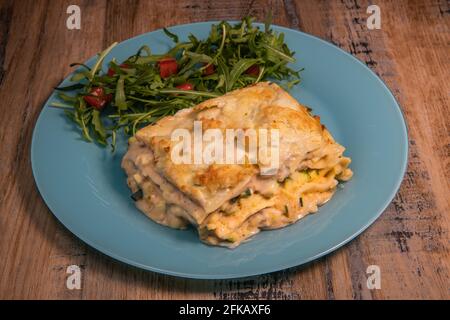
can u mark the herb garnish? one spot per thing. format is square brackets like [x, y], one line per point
[247, 193]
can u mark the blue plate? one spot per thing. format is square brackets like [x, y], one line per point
[85, 188]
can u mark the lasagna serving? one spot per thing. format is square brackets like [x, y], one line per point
[230, 202]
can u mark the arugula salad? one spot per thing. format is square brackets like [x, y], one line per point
[146, 86]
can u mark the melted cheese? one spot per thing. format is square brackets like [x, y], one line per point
[230, 203]
[300, 194]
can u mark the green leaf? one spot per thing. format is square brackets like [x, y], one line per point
[99, 128]
[66, 97]
[71, 87]
[113, 140]
[198, 57]
[189, 92]
[149, 59]
[83, 119]
[261, 74]
[120, 98]
[278, 53]
[219, 51]
[61, 105]
[268, 22]
[78, 76]
[74, 64]
[100, 59]
[171, 35]
[179, 47]
[238, 69]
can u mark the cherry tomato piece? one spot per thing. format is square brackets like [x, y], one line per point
[112, 72]
[167, 67]
[97, 98]
[209, 70]
[185, 86]
[253, 70]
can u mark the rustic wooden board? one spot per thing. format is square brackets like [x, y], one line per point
[410, 242]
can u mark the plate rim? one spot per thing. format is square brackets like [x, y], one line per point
[291, 264]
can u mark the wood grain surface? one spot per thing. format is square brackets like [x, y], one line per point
[410, 241]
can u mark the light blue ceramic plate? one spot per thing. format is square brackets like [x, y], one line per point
[85, 188]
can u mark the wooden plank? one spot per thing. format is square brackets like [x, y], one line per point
[35, 248]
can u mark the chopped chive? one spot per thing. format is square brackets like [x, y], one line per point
[138, 195]
[234, 200]
[247, 193]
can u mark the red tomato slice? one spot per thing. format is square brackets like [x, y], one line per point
[167, 67]
[111, 71]
[97, 98]
[185, 86]
[209, 70]
[253, 70]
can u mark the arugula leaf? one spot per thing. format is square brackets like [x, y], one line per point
[71, 87]
[172, 36]
[99, 61]
[98, 127]
[268, 22]
[238, 69]
[78, 76]
[120, 99]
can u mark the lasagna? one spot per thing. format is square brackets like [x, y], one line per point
[230, 202]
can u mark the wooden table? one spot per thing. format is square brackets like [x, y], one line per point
[409, 242]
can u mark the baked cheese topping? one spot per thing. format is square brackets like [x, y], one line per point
[228, 203]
